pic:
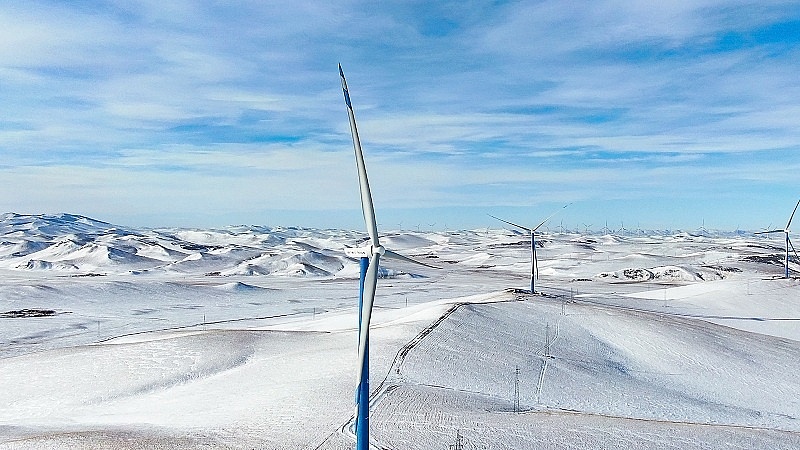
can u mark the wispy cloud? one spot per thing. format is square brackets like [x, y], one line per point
[471, 103]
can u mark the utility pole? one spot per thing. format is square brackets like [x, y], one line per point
[547, 341]
[459, 445]
[516, 389]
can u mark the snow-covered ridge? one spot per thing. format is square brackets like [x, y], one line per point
[81, 245]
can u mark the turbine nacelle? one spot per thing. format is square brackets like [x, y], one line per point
[364, 252]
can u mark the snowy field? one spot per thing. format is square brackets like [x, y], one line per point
[245, 337]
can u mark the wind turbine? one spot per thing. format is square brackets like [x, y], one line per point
[561, 227]
[785, 231]
[532, 231]
[369, 258]
[622, 230]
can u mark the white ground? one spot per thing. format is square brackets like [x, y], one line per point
[245, 338]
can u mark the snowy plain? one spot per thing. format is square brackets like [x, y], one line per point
[245, 337]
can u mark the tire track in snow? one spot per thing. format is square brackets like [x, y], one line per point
[546, 358]
[400, 357]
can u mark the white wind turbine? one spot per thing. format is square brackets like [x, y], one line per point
[785, 231]
[532, 231]
[605, 229]
[622, 229]
[369, 257]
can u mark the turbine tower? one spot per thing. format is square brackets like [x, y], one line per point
[785, 231]
[532, 231]
[369, 259]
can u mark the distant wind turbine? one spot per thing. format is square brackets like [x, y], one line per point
[369, 257]
[785, 231]
[622, 229]
[532, 231]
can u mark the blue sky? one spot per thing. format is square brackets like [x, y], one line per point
[201, 113]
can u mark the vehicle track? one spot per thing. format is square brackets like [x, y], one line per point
[546, 359]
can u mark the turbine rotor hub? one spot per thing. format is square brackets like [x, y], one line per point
[365, 252]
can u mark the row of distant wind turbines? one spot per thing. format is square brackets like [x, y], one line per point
[369, 258]
[535, 260]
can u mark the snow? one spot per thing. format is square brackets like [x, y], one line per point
[245, 337]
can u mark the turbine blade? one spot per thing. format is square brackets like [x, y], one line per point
[511, 223]
[366, 196]
[535, 262]
[551, 216]
[770, 231]
[399, 257]
[370, 282]
[792, 216]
